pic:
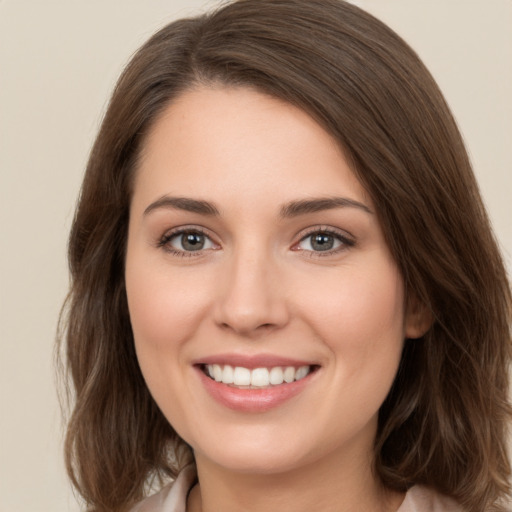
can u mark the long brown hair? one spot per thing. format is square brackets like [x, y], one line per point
[445, 420]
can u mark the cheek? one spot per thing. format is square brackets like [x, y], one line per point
[360, 302]
[360, 316]
[165, 313]
[361, 321]
[165, 310]
[163, 305]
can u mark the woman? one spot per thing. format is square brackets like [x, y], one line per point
[284, 278]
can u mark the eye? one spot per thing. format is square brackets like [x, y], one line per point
[324, 241]
[186, 241]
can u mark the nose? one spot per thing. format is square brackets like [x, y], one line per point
[251, 299]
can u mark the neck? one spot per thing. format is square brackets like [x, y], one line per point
[323, 485]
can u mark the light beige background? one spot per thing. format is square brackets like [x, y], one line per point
[58, 62]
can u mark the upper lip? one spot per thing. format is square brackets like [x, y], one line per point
[252, 361]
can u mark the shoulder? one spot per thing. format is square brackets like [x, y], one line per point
[171, 498]
[424, 499]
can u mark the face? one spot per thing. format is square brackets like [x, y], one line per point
[267, 311]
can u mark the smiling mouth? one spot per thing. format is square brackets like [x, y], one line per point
[256, 378]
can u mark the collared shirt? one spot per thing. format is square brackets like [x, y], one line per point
[173, 497]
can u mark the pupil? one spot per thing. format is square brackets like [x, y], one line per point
[192, 241]
[322, 242]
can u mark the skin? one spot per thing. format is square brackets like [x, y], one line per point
[257, 286]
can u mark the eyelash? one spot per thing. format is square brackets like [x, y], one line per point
[164, 242]
[345, 241]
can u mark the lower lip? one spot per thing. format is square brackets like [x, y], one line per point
[253, 400]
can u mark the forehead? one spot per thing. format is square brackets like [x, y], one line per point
[235, 141]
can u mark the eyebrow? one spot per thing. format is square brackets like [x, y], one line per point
[304, 206]
[291, 209]
[183, 203]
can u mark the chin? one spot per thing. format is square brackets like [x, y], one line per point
[251, 454]
[257, 463]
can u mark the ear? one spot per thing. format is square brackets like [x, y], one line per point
[418, 318]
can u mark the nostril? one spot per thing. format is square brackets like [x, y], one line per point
[266, 326]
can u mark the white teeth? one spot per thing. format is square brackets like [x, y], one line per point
[217, 373]
[228, 375]
[276, 376]
[289, 374]
[242, 376]
[258, 377]
[301, 372]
